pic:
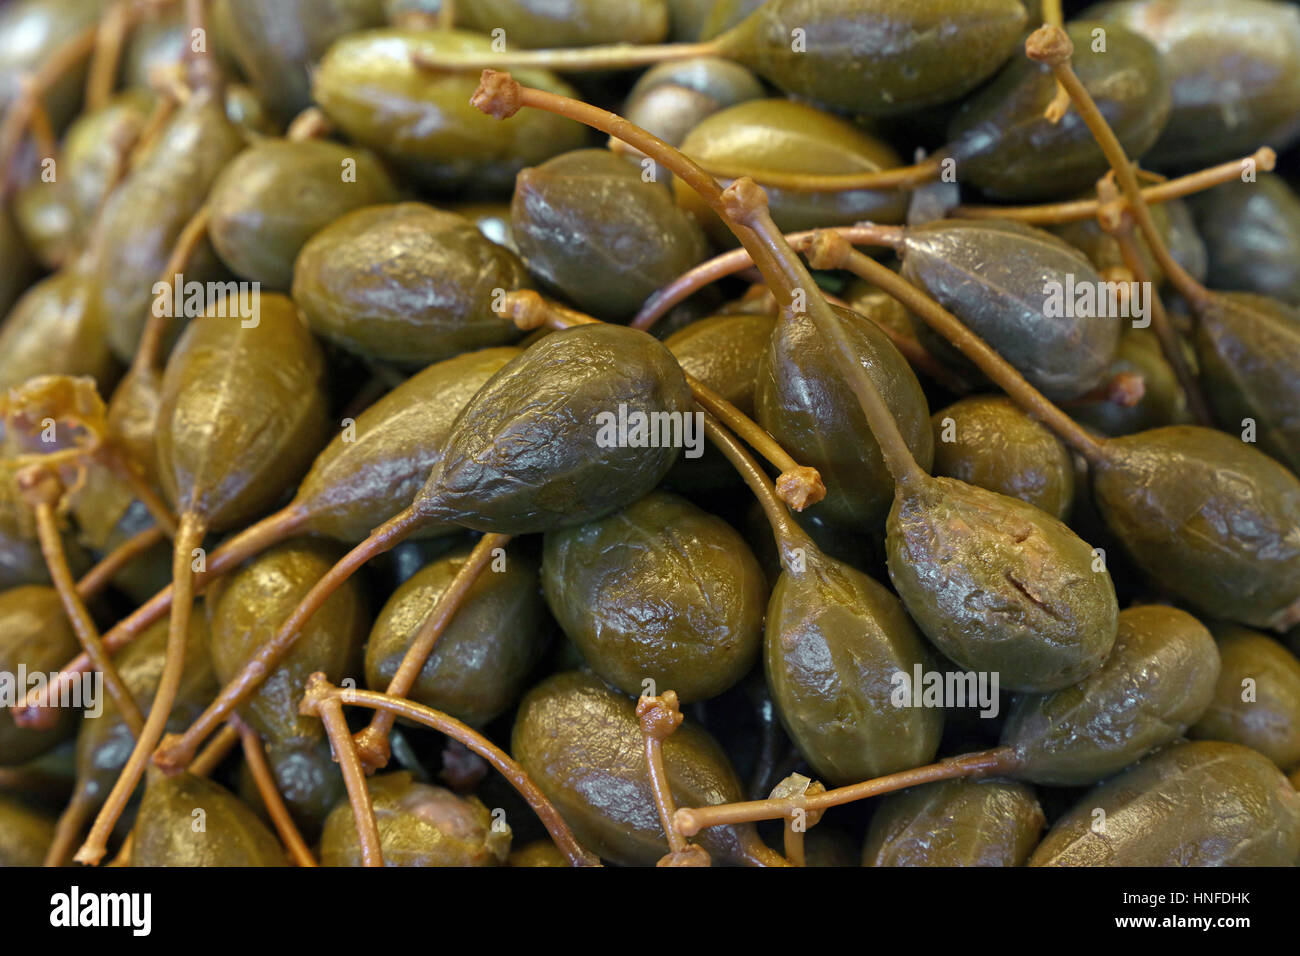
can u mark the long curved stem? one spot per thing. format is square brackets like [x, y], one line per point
[177, 750]
[188, 536]
[319, 702]
[1080, 209]
[372, 742]
[109, 455]
[148, 354]
[828, 250]
[618, 56]
[68, 829]
[264, 779]
[799, 486]
[499, 759]
[981, 764]
[901, 177]
[101, 575]
[107, 55]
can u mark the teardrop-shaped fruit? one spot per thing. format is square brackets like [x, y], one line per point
[1257, 700]
[55, 329]
[1191, 804]
[36, 639]
[245, 609]
[369, 473]
[1000, 586]
[660, 590]
[955, 823]
[581, 743]
[242, 413]
[419, 825]
[423, 121]
[1210, 518]
[481, 661]
[276, 195]
[586, 421]
[989, 442]
[1252, 234]
[406, 283]
[784, 136]
[1005, 146]
[804, 403]
[1011, 285]
[1163, 400]
[166, 833]
[835, 638]
[1157, 682]
[877, 57]
[589, 226]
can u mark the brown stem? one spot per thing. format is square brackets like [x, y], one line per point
[1051, 45]
[102, 574]
[148, 353]
[621, 56]
[800, 485]
[203, 72]
[737, 260]
[1114, 221]
[982, 764]
[792, 843]
[311, 123]
[274, 803]
[177, 750]
[47, 144]
[901, 177]
[472, 739]
[154, 125]
[319, 702]
[659, 718]
[68, 830]
[372, 741]
[40, 490]
[188, 537]
[34, 711]
[104, 61]
[111, 457]
[828, 250]
[1080, 209]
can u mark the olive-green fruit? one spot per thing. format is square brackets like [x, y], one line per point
[1191, 804]
[660, 590]
[1173, 220]
[166, 835]
[835, 639]
[1252, 235]
[995, 276]
[589, 226]
[877, 57]
[55, 216]
[423, 121]
[873, 303]
[581, 743]
[30, 32]
[370, 472]
[539, 853]
[246, 608]
[562, 434]
[692, 89]
[133, 419]
[152, 206]
[1210, 518]
[782, 136]
[1221, 110]
[307, 778]
[999, 585]
[276, 195]
[37, 637]
[105, 742]
[1163, 400]
[406, 283]
[723, 352]
[1249, 351]
[419, 825]
[20, 268]
[242, 412]
[725, 14]
[25, 833]
[1157, 682]
[989, 442]
[687, 18]
[805, 404]
[106, 513]
[827, 846]
[955, 823]
[277, 42]
[161, 40]
[1257, 700]
[1005, 146]
[481, 661]
[546, 23]
[55, 329]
